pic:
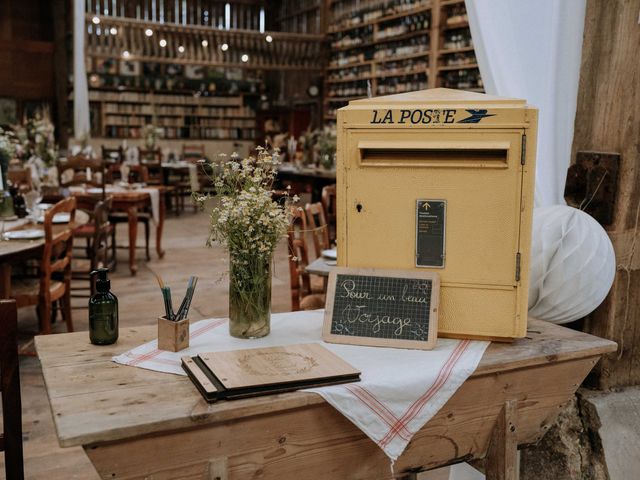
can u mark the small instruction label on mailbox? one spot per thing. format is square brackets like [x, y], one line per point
[430, 233]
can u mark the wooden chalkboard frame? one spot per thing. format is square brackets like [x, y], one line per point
[432, 335]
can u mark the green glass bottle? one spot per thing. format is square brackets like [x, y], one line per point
[103, 311]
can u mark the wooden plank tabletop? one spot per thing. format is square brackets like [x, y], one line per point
[95, 400]
[321, 267]
[14, 248]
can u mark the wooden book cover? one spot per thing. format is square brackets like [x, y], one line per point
[261, 371]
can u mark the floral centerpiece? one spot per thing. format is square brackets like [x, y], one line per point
[151, 134]
[37, 139]
[7, 151]
[249, 223]
[37, 145]
[319, 147]
[327, 148]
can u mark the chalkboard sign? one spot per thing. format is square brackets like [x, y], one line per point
[430, 230]
[383, 308]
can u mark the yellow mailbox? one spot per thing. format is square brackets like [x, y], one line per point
[443, 180]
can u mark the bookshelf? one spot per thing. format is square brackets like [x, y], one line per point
[123, 114]
[301, 16]
[397, 46]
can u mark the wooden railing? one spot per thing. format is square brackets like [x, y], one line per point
[198, 45]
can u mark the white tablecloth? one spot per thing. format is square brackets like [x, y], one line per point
[399, 391]
[154, 195]
[193, 172]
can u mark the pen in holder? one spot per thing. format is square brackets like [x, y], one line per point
[173, 327]
[173, 335]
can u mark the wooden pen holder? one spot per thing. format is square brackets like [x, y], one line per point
[173, 336]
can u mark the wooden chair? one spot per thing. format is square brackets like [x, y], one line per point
[11, 438]
[112, 155]
[318, 226]
[55, 272]
[99, 251]
[193, 151]
[152, 160]
[20, 178]
[329, 204]
[303, 296]
[112, 159]
[181, 180]
[81, 164]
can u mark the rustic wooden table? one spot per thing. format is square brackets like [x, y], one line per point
[17, 251]
[306, 180]
[130, 202]
[137, 424]
[321, 266]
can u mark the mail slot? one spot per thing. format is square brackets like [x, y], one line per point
[450, 192]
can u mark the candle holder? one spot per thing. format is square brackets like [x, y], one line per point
[173, 336]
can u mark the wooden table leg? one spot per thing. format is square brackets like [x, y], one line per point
[501, 462]
[132, 215]
[5, 280]
[160, 226]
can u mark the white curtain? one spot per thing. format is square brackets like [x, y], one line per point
[81, 125]
[532, 50]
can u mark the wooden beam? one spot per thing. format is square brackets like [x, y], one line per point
[608, 120]
[61, 14]
[501, 460]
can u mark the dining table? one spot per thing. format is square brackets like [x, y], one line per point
[131, 200]
[305, 180]
[141, 424]
[321, 266]
[14, 252]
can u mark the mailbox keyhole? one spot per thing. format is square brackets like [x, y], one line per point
[359, 207]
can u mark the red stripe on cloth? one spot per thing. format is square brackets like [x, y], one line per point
[164, 361]
[155, 352]
[375, 409]
[417, 406]
[382, 406]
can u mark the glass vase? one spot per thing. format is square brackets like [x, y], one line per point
[249, 297]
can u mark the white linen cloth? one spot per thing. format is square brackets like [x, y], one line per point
[533, 50]
[194, 183]
[399, 391]
[193, 177]
[154, 195]
[81, 117]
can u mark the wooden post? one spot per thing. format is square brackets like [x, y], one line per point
[11, 439]
[61, 68]
[608, 120]
[501, 462]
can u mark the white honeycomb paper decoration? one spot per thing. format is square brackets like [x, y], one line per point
[572, 264]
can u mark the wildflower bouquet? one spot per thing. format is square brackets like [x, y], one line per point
[7, 151]
[249, 223]
[37, 140]
[151, 133]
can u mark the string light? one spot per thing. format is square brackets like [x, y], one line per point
[205, 44]
[95, 20]
[163, 43]
[224, 47]
[269, 38]
[181, 49]
[244, 58]
[148, 32]
[113, 31]
[126, 54]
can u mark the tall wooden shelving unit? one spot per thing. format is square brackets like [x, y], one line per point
[440, 53]
[124, 114]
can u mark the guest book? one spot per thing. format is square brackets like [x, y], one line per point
[262, 371]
